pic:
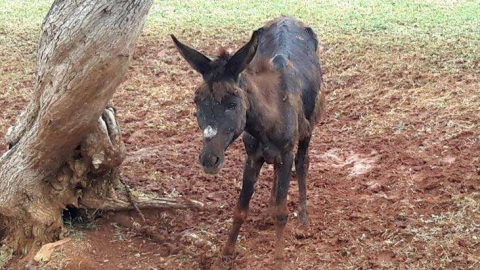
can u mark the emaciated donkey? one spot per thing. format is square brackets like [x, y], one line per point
[270, 91]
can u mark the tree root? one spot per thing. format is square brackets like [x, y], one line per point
[110, 204]
[130, 198]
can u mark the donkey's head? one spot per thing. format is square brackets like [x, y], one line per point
[220, 100]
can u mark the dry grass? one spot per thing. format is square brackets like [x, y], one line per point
[432, 242]
[5, 255]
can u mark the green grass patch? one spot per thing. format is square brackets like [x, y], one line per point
[21, 15]
[419, 25]
[446, 32]
[329, 17]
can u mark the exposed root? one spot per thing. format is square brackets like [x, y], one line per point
[110, 204]
[102, 152]
[130, 197]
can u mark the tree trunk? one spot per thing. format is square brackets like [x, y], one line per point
[67, 144]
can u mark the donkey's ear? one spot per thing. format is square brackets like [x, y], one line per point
[197, 60]
[242, 57]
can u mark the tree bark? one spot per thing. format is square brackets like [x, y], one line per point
[67, 144]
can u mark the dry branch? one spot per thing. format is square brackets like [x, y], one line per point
[142, 203]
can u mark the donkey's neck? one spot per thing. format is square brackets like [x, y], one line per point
[263, 105]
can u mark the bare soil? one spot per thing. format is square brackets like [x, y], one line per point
[394, 178]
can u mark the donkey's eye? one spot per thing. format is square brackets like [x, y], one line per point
[231, 106]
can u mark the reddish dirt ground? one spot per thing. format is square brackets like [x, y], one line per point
[376, 199]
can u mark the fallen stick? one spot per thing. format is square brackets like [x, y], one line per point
[141, 203]
[130, 197]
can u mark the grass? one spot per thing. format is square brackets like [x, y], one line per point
[435, 29]
[444, 35]
[5, 255]
[438, 235]
[450, 21]
[76, 226]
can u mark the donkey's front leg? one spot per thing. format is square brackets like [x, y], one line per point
[273, 196]
[250, 175]
[283, 168]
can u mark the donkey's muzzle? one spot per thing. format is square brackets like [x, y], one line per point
[210, 162]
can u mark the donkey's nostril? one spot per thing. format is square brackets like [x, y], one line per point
[216, 161]
[209, 160]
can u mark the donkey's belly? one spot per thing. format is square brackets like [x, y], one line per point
[270, 152]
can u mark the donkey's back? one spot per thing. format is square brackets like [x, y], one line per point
[291, 48]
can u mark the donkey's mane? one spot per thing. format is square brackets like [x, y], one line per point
[217, 86]
[217, 90]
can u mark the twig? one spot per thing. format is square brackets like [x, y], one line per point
[130, 197]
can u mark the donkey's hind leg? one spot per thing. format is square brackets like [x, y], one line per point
[301, 168]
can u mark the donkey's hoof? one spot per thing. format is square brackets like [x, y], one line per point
[303, 218]
[219, 264]
[224, 260]
[227, 252]
[279, 263]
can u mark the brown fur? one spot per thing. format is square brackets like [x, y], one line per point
[272, 23]
[289, 64]
[320, 109]
[300, 24]
[217, 90]
[260, 66]
[263, 88]
[225, 52]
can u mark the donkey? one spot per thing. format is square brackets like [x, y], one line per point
[270, 91]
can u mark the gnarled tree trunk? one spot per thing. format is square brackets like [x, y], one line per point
[66, 146]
